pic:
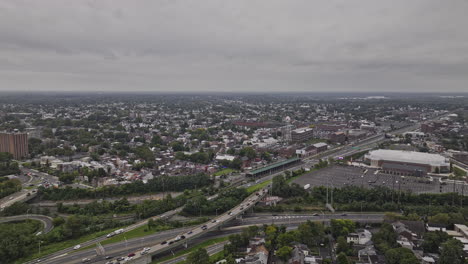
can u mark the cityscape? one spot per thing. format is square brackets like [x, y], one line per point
[136, 180]
[233, 132]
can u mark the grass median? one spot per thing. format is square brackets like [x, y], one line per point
[258, 186]
[54, 247]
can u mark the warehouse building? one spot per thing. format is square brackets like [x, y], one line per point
[302, 134]
[402, 162]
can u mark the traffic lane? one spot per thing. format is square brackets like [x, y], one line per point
[15, 197]
[251, 200]
[116, 249]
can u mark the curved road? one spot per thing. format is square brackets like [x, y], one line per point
[45, 220]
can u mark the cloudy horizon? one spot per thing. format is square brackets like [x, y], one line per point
[234, 46]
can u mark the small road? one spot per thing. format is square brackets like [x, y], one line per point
[45, 220]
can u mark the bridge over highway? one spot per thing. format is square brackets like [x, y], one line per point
[145, 257]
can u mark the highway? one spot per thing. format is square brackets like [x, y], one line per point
[235, 226]
[197, 231]
[20, 196]
[165, 215]
[45, 220]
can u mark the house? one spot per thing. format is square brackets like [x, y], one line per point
[431, 227]
[427, 260]
[366, 254]
[411, 230]
[361, 237]
[257, 255]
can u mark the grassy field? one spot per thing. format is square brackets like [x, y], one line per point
[258, 186]
[189, 250]
[224, 172]
[135, 233]
[51, 248]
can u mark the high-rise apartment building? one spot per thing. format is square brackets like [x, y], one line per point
[14, 143]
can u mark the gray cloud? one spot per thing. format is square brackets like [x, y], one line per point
[246, 45]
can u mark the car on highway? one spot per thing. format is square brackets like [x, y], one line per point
[315, 214]
[76, 247]
[85, 260]
[109, 257]
[131, 255]
[204, 227]
[230, 213]
[189, 232]
[164, 242]
[344, 214]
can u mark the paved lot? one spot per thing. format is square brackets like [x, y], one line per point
[339, 176]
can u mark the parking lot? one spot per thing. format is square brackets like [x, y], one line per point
[339, 176]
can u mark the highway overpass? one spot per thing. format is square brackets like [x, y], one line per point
[22, 196]
[142, 257]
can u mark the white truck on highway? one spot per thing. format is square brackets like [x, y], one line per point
[116, 232]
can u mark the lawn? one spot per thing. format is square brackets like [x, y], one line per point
[224, 172]
[135, 233]
[258, 186]
[191, 249]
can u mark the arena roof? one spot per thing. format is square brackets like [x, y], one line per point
[408, 156]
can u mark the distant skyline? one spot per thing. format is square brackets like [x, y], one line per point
[234, 46]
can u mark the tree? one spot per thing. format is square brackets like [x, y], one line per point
[433, 240]
[342, 258]
[441, 218]
[248, 152]
[400, 255]
[284, 253]
[386, 238]
[342, 227]
[199, 256]
[342, 245]
[451, 252]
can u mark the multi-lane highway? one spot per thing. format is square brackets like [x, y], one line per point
[234, 226]
[146, 255]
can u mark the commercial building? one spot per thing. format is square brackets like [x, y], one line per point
[15, 144]
[302, 134]
[401, 162]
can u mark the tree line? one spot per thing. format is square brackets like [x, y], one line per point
[159, 184]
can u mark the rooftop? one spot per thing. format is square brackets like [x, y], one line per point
[408, 156]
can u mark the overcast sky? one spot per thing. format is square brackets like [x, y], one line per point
[236, 45]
